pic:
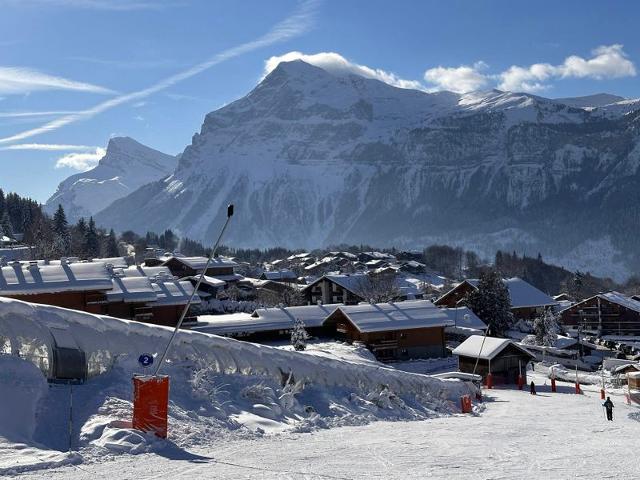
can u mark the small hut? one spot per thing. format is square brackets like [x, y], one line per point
[501, 357]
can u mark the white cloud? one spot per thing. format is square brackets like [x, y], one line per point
[460, 79]
[607, 62]
[18, 80]
[51, 147]
[294, 25]
[81, 161]
[336, 63]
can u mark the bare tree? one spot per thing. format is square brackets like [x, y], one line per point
[378, 288]
[288, 297]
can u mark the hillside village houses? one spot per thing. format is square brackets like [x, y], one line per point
[341, 301]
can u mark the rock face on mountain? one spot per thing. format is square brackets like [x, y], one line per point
[312, 157]
[126, 166]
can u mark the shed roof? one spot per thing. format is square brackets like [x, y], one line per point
[18, 279]
[474, 347]
[464, 317]
[380, 317]
[279, 275]
[131, 290]
[522, 293]
[174, 292]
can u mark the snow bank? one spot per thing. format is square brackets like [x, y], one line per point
[219, 387]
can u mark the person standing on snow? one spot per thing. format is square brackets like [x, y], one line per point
[532, 388]
[608, 405]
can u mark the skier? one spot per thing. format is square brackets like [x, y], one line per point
[532, 388]
[608, 405]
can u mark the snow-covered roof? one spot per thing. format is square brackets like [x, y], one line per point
[174, 292]
[145, 271]
[474, 347]
[350, 282]
[279, 275]
[380, 317]
[198, 263]
[207, 280]
[464, 317]
[18, 279]
[522, 293]
[132, 290]
[620, 299]
[115, 262]
[264, 320]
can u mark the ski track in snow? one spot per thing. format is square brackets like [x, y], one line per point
[517, 436]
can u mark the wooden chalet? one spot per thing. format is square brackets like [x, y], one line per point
[267, 323]
[183, 267]
[527, 302]
[130, 298]
[501, 357]
[609, 313]
[335, 289]
[393, 331]
[78, 286]
[283, 275]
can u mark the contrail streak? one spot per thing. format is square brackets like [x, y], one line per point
[294, 25]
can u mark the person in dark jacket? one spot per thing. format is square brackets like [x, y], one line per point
[532, 388]
[608, 405]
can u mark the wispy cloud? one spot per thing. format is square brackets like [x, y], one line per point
[19, 80]
[81, 161]
[51, 147]
[36, 114]
[294, 25]
[607, 61]
[336, 63]
[116, 5]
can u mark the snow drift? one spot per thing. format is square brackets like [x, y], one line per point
[219, 387]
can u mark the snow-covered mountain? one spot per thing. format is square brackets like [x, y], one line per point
[311, 157]
[126, 166]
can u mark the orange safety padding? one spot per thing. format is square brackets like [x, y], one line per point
[553, 385]
[465, 404]
[489, 381]
[602, 394]
[151, 404]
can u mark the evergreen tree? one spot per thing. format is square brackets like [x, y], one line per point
[62, 236]
[299, 335]
[546, 329]
[491, 302]
[111, 245]
[91, 242]
[5, 225]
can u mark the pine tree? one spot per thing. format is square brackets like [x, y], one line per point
[62, 236]
[5, 225]
[91, 243]
[111, 245]
[491, 302]
[546, 329]
[299, 335]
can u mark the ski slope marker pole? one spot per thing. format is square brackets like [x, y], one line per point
[195, 290]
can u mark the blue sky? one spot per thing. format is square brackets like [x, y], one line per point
[151, 69]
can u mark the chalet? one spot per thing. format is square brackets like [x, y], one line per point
[365, 257]
[609, 313]
[501, 357]
[145, 271]
[393, 331]
[412, 266]
[266, 323]
[6, 242]
[527, 302]
[284, 275]
[335, 289]
[171, 297]
[220, 267]
[79, 286]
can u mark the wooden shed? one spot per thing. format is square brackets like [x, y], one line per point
[501, 357]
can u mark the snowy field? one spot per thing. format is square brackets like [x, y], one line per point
[517, 436]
